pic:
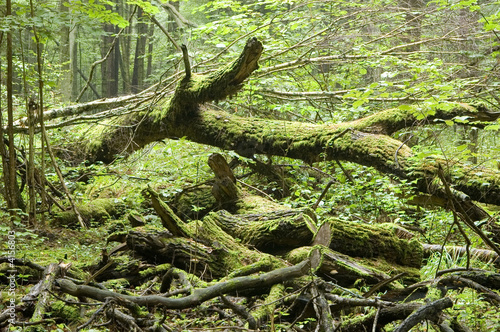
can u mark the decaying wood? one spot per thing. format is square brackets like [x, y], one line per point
[169, 220]
[199, 295]
[425, 312]
[455, 281]
[364, 141]
[224, 188]
[40, 292]
[481, 254]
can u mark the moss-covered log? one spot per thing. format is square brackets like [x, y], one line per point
[365, 141]
[98, 210]
[348, 271]
[270, 232]
[361, 240]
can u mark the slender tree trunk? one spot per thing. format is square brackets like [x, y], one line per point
[140, 52]
[3, 150]
[109, 68]
[413, 20]
[73, 50]
[151, 32]
[124, 41]
[64, 57]
[14, 200]
[172, 23]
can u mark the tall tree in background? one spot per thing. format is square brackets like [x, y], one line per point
[64, 56]
[109, 68]
[9, 158]
[138, 73]
[124, 40]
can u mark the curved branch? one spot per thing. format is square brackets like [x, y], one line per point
[199, 295]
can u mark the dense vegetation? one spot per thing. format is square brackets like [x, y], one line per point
[362, 182]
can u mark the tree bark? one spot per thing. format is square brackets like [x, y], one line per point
[109, 68]
[140, 52]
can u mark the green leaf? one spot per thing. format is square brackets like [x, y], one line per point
[405, 107]
[492, 127]
[358, 103]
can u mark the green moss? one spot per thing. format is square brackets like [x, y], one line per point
[194, 204]
[98, 210]
[70, 314]
[265, 310]
[360, 240]
[155, 271]
[116, 283]
[253, 204]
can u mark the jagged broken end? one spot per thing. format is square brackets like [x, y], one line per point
[224, 82]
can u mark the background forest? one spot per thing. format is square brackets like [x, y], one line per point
[73, 203]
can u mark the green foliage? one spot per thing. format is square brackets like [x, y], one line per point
[101, 10]
[323, 62]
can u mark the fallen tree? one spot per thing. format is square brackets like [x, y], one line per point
[253, 248]
[366, 141]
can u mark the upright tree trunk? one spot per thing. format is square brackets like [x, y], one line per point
[73, 51]
[12, 194]
[151, 31]
[124, 41]
[109, 68]
[140, 52]
[413, 20]
[64, 57]
[172, 21]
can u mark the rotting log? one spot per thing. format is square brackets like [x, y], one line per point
[38, 297]
[427, 311]
[97, 210]
[347, 271]
[270, 232]
[370, 241]
[133, 131]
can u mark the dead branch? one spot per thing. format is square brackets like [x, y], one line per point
[425, 312]
[199, 295]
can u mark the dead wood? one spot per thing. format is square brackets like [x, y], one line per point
[364, 141]
[224, 188]
[484, 278]
[169, 220]
[386, 315]
[98, 211]
[270, 232]
[425, 312]
[199, 295]
[480, 254]
[21, 262]
[455, 281]
[40, 292]
[322, 308]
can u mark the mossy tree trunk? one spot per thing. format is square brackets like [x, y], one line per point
[365, 141]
